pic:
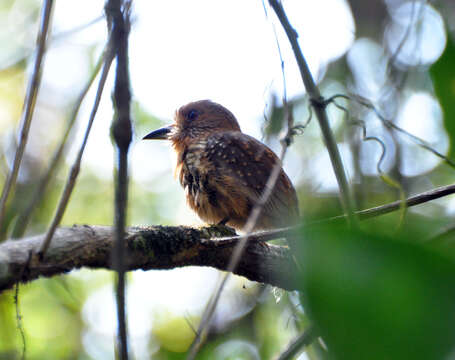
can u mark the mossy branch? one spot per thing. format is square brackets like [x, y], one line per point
[157, 247]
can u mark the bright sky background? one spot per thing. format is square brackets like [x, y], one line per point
[226, 51]
[182, 51]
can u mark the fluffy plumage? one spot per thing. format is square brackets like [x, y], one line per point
[224, 171]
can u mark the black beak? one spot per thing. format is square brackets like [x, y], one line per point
[160, 134]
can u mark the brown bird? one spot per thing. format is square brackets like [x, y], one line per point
[224, 171]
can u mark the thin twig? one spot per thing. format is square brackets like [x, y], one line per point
[172, 246]
[388, 123]
[420, 142]
[76, 29]
[283, 74]
[384, 177]
[411, 201]
[20, 327]
[122, 133]
[235, 258]
[319, 107]
[405, 37]
[362, 214]
[249, 226]
[24, 217]
[255, 213]
[71, 180]
[365, 137]
[29, 106]
[251, 222]
[252, 219]
[52, 39]
[296, 345]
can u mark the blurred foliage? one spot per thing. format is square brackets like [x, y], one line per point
[382, 292]
[89, 190]
[10, 342]
[378, 297]
[11, 94]
[443, 76]
[265, 319]
[175, 334]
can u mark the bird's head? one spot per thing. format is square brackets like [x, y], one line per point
[195, 121]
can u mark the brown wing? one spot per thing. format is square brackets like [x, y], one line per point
[237, 169]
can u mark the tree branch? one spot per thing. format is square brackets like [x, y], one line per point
[167, 247]
[158, 247]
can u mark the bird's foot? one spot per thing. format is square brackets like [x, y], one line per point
[224, 221]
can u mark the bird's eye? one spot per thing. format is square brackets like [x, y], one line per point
[192, 114]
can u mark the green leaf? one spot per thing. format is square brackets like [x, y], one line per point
[375, 297]
[443, 76]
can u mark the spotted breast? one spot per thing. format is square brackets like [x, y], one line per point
[225, 175]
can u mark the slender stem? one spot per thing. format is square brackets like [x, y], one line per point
[235, 258]
[25, 216]
[362, 214]
[301, 341]
[20, 326]
[29, 106]
[243, 242]
[74, 172]
[119, 251]
[75, 30]
[346, 199]
[390, 124]
[321, 114]
[122, 133]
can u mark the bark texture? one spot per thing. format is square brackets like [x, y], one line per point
[157, 247]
